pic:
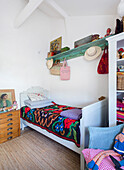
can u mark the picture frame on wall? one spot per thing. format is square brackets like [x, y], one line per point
[56, 44]
[7, 98]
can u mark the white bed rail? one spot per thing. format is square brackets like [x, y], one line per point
[95, 114]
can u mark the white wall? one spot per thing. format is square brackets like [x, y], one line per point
[23, 50]
[85, 85]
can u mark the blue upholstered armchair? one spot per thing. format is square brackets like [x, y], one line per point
[103, 137]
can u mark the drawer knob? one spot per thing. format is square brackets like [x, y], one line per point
[9, 138]
[9, 114]
[9, 119]
[9, 124]
[9, 128]
[9, 133]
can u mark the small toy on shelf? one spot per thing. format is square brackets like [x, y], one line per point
[108, 32]
[14, 106]
[121, 53]
[118, 55]
[120, 68]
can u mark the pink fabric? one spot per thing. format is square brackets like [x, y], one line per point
[106, 163]
[65, 71]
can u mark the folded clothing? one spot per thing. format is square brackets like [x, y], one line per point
[120, 108]
[38, 104]
[120, 115]
[120, 104]
[75, 114]
[120, 112]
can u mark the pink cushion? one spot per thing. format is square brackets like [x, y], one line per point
[106, 162]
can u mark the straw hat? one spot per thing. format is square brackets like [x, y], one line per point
[49, 63]
[92, 53]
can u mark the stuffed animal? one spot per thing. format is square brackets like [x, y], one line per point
[121, 53]
[118, 150]
[14, 106]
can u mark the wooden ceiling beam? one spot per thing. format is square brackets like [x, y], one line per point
[27, 11]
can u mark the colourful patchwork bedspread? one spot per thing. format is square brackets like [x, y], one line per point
[49, 118]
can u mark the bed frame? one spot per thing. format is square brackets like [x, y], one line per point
[92, 115]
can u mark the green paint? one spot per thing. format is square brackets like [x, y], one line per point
[79, 51]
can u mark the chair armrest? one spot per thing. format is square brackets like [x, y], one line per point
[103, 137]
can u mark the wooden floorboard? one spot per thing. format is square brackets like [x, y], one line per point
[34, 151]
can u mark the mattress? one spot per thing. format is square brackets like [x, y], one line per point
[49, 118]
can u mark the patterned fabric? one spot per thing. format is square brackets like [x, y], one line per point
[49, 118]
[106, 163]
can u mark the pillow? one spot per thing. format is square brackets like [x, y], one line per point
[36, 96]
[103, 137]
[38, 104]
[72, 114]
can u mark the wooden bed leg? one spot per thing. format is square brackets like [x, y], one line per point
[82, 162]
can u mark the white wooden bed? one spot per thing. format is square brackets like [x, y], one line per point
[92, 115]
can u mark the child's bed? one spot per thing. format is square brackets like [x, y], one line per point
[69, 132]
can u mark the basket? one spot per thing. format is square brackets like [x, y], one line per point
[120, 80]
[55, 70]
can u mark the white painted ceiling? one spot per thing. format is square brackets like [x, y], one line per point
[82, 7]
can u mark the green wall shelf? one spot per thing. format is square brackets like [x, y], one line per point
[79, 51]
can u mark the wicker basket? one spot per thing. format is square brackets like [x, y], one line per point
[120, 80]
[55, 70]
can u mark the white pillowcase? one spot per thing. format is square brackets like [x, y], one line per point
[36, 96]
[38, 104]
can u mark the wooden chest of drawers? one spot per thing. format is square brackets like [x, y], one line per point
[9, 125]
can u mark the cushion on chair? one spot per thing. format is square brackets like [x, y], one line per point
[103, 137]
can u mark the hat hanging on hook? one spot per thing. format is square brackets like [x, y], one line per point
[49, 63]
[92, 53]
